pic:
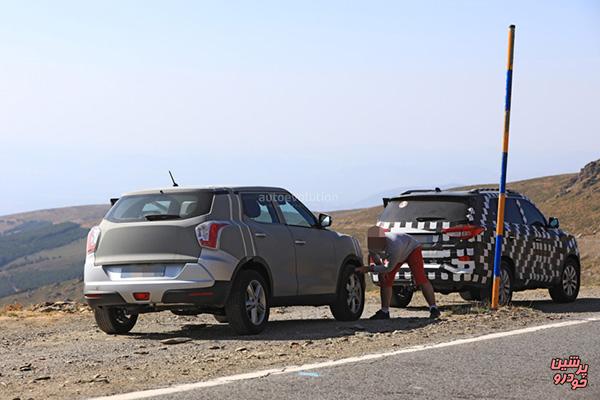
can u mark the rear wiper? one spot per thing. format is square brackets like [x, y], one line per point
[421, 219]
[161, 217]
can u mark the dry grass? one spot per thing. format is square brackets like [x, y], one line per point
[11, 310]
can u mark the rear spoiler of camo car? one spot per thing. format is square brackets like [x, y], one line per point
[386, 200]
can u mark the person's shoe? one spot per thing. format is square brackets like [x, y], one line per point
[434, 313]
[380, 315]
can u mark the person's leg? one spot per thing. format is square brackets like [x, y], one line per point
[417, 269]
[386, 281]
[386, 298]
[428, 293]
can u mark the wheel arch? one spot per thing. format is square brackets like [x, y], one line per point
[257, 264]
[512, 267]
[349, 260]
[575, 258]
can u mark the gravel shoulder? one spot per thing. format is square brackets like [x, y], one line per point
[56, 355]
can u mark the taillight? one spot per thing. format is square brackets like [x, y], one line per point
[92, 240]
[463, 232]
[207, 233]
[141, 296]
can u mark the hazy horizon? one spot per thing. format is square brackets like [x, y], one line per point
[339, 100]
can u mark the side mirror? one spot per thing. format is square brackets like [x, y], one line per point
[553, 223]
[113, 201]
[324, 220]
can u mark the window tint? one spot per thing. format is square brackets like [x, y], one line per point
[259, 208]
[161, 206]
[512, 214]
[421, 209]
[294, 212]
[532, 214]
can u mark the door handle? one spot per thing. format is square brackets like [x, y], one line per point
[300, 242]
[260, 235]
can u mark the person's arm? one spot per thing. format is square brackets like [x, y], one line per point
[378, 266]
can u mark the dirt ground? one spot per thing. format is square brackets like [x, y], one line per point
[58, 355]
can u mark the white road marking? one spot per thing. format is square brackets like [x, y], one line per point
[144, 394]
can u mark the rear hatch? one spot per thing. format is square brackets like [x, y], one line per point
[425, 217]
[153, 228]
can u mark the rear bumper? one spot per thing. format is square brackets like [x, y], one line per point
[195, 284]
[213, 296]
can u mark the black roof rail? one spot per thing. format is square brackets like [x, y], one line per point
[479, 190]
[437, 190]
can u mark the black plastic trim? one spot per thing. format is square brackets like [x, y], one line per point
[215, 295]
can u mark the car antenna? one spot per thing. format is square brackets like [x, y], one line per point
[173, 179]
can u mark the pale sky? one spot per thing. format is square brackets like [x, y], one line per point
[335, 100]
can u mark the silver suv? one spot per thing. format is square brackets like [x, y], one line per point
[233, 252]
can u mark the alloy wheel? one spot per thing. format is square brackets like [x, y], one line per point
[122, 316]
[569, 280]
[505, 287]
[256, 302]
[354, 290]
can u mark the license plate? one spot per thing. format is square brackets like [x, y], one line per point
[143, 271]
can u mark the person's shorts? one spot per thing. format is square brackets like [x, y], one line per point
[417, 270]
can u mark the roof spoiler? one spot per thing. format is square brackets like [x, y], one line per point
[386, 200]
[437, 190]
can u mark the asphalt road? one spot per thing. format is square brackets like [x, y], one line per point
[514, 367]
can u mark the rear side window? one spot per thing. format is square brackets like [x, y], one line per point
[421, 209]
[161, 206]
[259, 208]
[512, 214]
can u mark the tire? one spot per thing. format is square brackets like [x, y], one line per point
[567, 289]
[401, 297]
[471, 295]
[249, 287]
[222, 319]
[114, 320]
[506, 286]
[350, 296]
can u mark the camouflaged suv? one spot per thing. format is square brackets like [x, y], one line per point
[233, 252]
[457, 232]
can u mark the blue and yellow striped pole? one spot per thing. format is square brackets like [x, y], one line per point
[502, 191]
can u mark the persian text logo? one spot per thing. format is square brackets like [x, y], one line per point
[577, 379]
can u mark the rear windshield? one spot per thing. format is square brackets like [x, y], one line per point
[160, 207]
[421, 209]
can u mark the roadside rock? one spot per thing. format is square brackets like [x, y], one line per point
[60, 306]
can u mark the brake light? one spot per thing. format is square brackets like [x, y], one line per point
[92, 239]
[141, 296]
[207, 233]
[463, 232]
